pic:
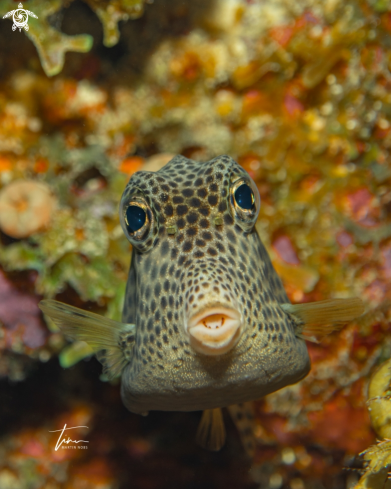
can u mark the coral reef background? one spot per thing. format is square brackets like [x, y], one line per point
[299, 93]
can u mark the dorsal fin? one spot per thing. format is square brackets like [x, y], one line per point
[110, 340]
[211, 430]
[321, 318]
[243, 417]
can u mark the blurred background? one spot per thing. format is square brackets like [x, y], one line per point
[299, 94]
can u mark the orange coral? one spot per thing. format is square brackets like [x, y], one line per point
[26, 207]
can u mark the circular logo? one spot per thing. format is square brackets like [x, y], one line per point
[20, 18]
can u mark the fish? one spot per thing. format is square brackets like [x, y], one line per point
[206, 321]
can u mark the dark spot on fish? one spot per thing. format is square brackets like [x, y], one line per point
[192, 231]
[220, 247]
[150, 324]
[188, 192]
[165, 248]
[212, 251]
[232, 250]
[222, 206]
[168, 210]
[195, 202]
[163, 270]
[204, 211]
[192, 218]
[187, 246]
[213, 200]
[182, 209]
[228, 219]
[157, 289]
[181, 223]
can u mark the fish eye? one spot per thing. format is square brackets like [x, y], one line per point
[245, 202]
[244, 197]
[136, 219]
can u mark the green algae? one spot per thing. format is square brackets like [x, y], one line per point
[52, 44]
[73, 353]
[110, 13]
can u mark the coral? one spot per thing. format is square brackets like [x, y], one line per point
[378, 461]
[52, 44]
[379, 393]
[111, 13]
[378, 457]
[21, 331]
[25, 208]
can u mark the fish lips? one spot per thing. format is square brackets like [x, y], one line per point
[215, 330]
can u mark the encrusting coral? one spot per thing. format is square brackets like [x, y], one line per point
[378, 457]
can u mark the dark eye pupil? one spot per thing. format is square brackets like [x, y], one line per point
[244, 197]
[135, 217]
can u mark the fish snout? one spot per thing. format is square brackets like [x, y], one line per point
[215, 330]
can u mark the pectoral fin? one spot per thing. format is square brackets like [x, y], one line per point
[321, 318]
[211, 430]
[111, 341]
[243, 417]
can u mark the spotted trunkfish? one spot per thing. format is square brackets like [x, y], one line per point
[206, 322]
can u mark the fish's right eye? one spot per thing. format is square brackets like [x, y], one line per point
[244, 197]
[136, 219]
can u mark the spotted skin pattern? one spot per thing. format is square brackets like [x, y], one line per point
[198, 253]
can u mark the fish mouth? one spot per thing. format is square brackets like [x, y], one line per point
[215, 330]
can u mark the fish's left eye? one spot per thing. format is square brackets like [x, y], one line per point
[245, 202]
